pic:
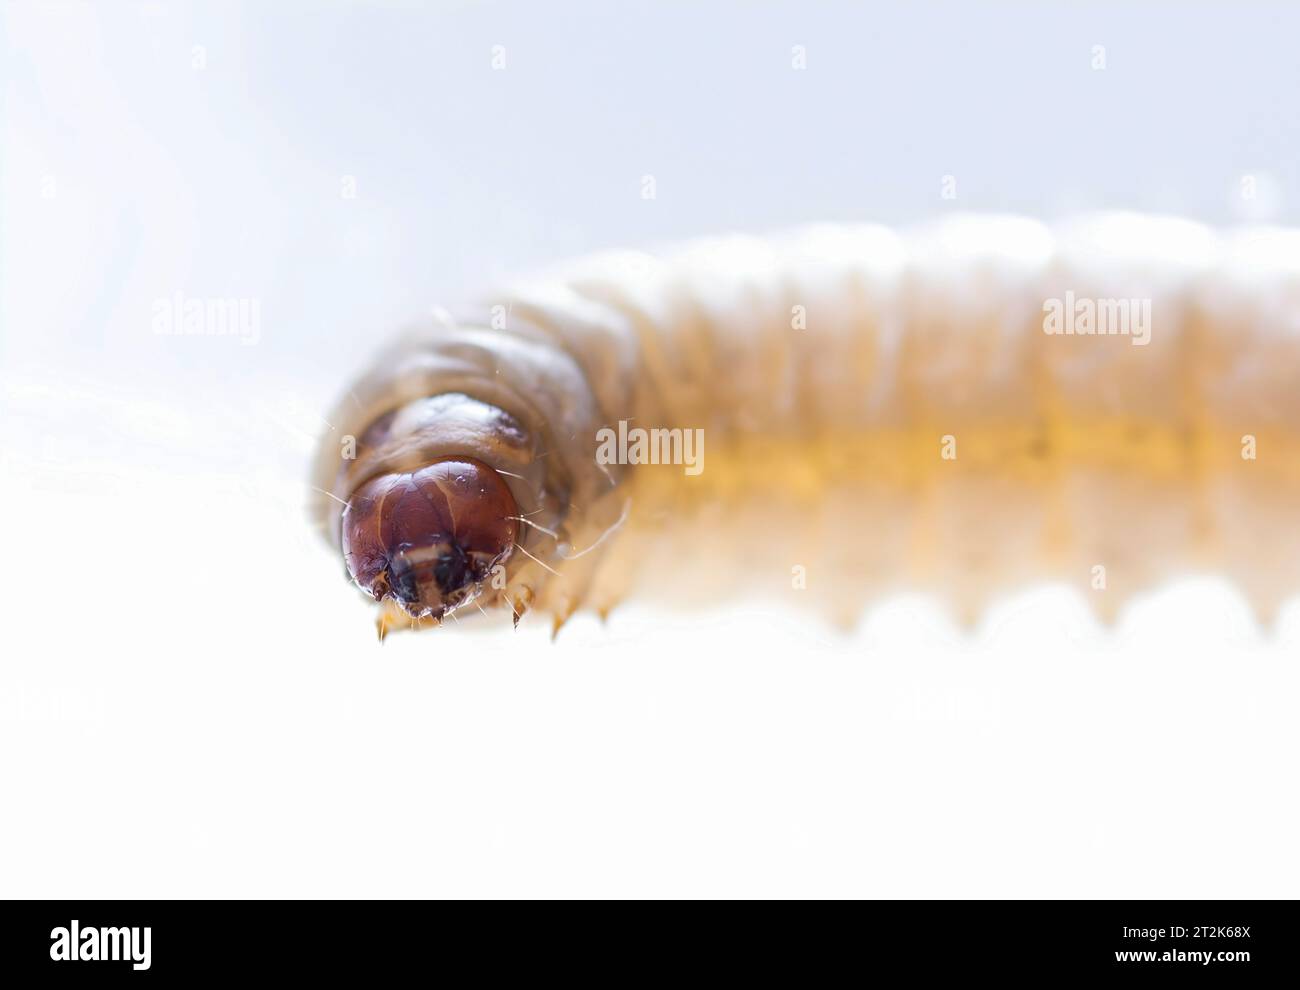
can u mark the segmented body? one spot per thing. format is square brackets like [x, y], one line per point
[884, 410]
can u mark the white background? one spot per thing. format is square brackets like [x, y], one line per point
[192, 701]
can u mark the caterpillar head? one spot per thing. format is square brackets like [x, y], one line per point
[430, 539]
[466, 478]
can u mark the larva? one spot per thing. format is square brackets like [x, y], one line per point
[961, 408]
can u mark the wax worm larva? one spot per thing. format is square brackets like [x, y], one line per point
[960, 408]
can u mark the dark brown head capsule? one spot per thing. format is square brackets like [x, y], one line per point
[429, 538]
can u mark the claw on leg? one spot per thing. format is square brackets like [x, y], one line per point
[520, 603]
[564, 610]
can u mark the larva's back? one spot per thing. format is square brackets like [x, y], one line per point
[961, 408]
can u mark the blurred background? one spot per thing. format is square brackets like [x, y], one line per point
[192, 700]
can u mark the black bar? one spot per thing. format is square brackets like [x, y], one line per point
[1236, 941]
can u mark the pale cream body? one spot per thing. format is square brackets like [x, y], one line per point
[884, 411]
